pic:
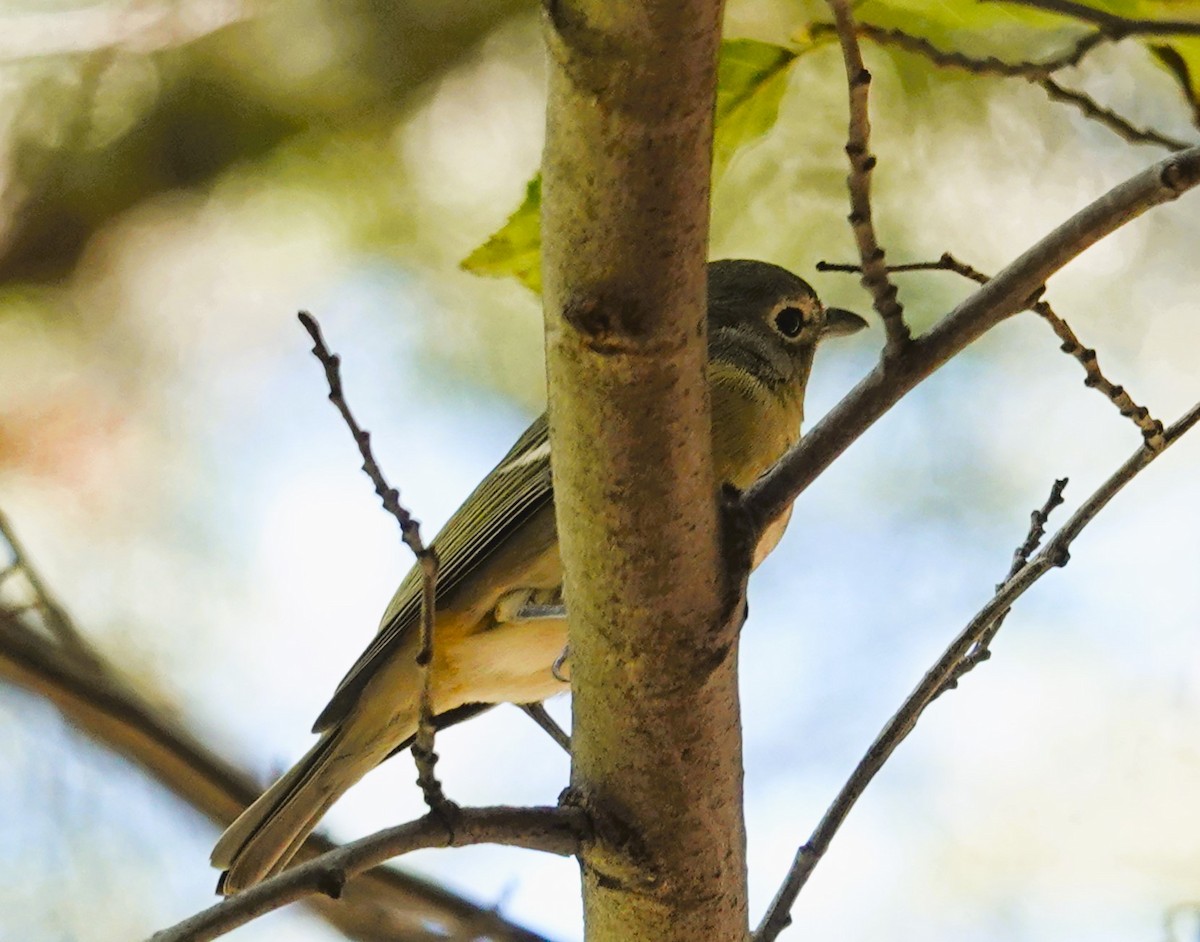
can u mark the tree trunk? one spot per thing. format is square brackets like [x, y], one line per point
[656, 743]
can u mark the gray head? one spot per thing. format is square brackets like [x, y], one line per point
[767, 321]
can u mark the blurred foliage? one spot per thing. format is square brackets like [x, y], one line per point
[753, 76]
[346, 108]
[357, 112]
[194, 126]
[95, 133]
[751, 79]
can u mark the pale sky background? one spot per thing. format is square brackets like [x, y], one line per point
[195, 501]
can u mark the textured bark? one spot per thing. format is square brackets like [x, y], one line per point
[656, 739]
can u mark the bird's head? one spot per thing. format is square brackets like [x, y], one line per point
[766, 322]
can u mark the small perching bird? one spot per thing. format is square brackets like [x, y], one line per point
[501, 622]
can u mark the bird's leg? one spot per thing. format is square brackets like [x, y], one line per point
[557, 667]
[548, 603]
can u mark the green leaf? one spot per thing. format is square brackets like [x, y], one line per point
[751, 79]
[1181, 57]
[514, 249]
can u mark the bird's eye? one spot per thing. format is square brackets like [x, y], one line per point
[789, 322]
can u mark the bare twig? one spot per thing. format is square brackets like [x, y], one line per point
[1037, 530]
[552, 830]
[410, 530]
[55, 617]
[1002, 297]
[1150, 427]
[380, 906]
[862, 162]
[422, 748]
[987, 65]
[1039, 73]
[1054, 554]
[945, 263]
[1116, 26]
[537, 713]
[981, 651]
[1109, 118]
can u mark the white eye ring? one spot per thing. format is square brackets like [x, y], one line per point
[789, 321]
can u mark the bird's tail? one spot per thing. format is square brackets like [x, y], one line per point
[270, 832]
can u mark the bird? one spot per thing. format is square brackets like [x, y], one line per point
[500, 616]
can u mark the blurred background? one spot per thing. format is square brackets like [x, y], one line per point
[178, 178]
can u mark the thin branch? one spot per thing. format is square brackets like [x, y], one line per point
[1116, 26]
[987, 65]
[410, 530]
[552, 830]
[1006, 294]
[60, 624]
[849, 269]
[1150, 427]
[1037, 73]
[422, 748]
[1037, 529]
[537, 713]
[380, 906]
[1109, 118]
[981, 650]
[1054, 554]
[862, 162]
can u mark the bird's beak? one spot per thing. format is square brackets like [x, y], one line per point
[840, 323]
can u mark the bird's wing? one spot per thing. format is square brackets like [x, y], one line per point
[513, 492]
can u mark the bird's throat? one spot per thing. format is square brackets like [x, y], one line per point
[752, 425]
